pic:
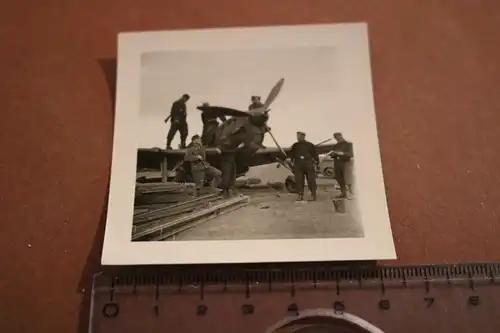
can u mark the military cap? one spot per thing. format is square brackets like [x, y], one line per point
[205, 104]
[194, 137]
[300, 133]
[337, 134]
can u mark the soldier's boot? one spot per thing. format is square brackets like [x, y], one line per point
[314, 196]
[216, 182]
[300, 197]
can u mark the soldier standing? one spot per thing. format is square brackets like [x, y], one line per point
[342, 154]
[200, 168]
[256, 103]
[228, 167]
[304, 156]
[178, 121]
[210, 124]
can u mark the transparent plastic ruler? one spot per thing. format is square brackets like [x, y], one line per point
[393, 299]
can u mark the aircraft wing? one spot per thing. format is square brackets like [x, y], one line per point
[216, 111]
[151, 158]
[271, 155]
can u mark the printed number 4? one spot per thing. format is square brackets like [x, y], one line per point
[384, 304]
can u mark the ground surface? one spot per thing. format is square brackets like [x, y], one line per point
[273, 215]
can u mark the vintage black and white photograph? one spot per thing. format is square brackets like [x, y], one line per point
[249, 146]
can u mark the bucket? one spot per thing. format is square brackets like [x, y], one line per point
[339, 205]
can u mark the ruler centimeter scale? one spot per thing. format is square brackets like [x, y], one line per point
[431, 298]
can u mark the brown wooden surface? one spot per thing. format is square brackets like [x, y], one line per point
[436, 74]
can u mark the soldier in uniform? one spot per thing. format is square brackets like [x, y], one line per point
[178, 121]
[256, 103]
[200, 168]
[304, 157]
[228, 167]
[210, 124]
[342, 154]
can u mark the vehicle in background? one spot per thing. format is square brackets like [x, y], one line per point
[326, 166]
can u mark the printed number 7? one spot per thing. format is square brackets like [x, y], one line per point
[429, 301]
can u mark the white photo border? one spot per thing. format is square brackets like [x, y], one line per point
[377, 243]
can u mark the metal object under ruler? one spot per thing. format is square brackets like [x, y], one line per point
[425, 298]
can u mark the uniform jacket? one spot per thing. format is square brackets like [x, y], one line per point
[346, 148]
[304, 150]
[178, 111]
[192, 154]
[255, 106]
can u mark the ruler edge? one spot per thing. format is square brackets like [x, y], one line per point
[342, 268]
[201, 271]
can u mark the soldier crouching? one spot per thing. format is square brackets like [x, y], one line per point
[200, 168]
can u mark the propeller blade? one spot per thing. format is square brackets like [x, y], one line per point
[277, 144]
[217, 111]
[274, 93]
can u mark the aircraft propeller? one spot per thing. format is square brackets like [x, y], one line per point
[258, 116]
[265, 109]
[225, 111]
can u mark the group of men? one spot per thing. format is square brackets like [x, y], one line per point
[178, 121]
[304, 158]
[195, 154]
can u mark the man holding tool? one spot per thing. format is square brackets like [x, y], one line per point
[342, 154]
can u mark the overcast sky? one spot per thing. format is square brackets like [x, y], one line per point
[312, 99]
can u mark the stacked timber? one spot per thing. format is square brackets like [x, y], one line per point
[162, 193]
[257, 184]
[165, 222]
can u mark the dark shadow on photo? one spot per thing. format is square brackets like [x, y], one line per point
[108, 67]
